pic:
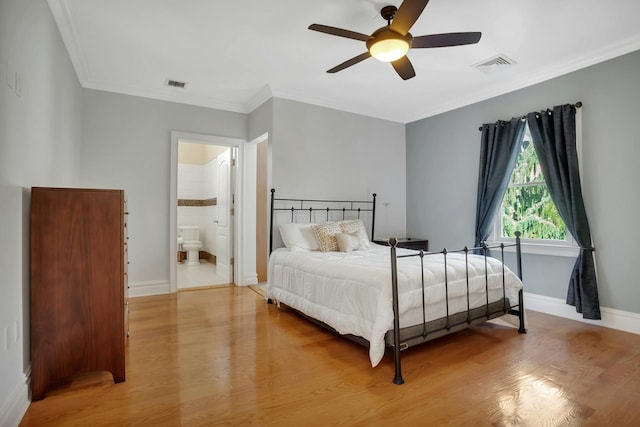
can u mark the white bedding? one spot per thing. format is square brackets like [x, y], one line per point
[351, 292]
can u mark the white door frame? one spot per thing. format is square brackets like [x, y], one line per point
[239, 231]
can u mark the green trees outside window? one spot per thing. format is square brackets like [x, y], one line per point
[527, 205]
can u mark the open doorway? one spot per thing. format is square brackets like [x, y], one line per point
[242, 207]
[210, 208]
[205, 194]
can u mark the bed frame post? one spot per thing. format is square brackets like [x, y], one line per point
[396, 318]
[273, 191]
[373, 216]
[521, 328]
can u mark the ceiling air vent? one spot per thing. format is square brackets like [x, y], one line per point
[176, 83]
[495, 63]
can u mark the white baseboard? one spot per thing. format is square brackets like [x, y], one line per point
[143, 289]
[16, 405]
[249, 280]
[611, 318]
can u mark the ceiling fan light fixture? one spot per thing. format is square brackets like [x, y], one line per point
[389, 50]
[387, 46]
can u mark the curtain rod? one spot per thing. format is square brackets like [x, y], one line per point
[577, 105]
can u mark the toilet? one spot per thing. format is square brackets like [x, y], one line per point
[191, 243]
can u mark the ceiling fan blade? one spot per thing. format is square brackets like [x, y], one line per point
[407, 15]
[444, 40]
[339, 32]
[350, 62]
[404, 68]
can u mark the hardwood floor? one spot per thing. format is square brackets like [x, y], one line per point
[222, 356]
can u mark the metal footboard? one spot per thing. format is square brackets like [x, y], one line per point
[456, 321]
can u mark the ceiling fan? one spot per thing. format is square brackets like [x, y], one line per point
[392, 42]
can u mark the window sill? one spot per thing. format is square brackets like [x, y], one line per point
[541, 249]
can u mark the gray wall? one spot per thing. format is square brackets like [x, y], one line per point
[261, 120]
[324, 153]
[442, 174]
[39, 146]
[315, 151]
[126, 144]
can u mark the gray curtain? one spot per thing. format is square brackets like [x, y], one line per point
[500, 143]
[554, 138]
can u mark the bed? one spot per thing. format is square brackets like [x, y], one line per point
[385, 297]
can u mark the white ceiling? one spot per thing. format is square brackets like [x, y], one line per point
[235, 55]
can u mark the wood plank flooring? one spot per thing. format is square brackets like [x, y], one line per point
[222, 356]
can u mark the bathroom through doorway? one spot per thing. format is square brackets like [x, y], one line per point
[205, 186]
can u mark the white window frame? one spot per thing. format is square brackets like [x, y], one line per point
[568, 247]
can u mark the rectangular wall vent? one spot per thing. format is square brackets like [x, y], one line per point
[496, 62]
[176, 83]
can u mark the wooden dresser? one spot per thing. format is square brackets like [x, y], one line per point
[78, 285]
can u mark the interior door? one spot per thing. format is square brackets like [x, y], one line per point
[225, 221]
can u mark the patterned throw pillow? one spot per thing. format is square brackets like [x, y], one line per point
[356, 228]
[326, 236]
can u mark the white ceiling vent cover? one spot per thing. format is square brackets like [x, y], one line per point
[496, 63]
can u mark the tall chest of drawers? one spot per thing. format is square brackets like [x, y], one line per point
[78, 284]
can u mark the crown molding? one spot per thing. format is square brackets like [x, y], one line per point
[373, 112]
[260, 97]
[63, 16]
[522, 80]
[162, 95]
[529, 79]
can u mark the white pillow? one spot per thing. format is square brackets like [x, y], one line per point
[299, 236]
[356, 227]
[347, 242]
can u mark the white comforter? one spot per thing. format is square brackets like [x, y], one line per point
[351, 292]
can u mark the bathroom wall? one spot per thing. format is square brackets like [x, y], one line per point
[196, 195]
[197, 189]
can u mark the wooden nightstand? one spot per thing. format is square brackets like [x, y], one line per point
[407, 242]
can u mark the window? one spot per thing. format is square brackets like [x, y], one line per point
[527, 207]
